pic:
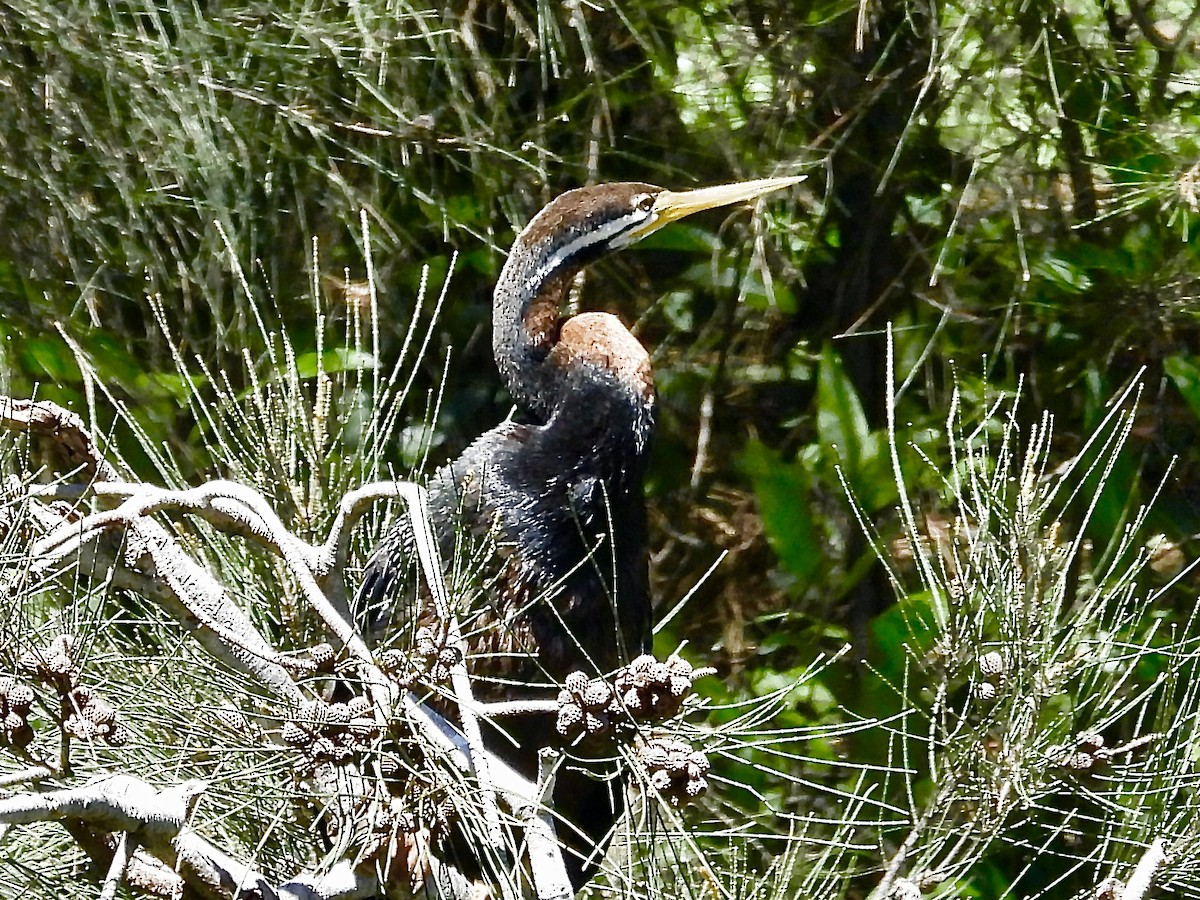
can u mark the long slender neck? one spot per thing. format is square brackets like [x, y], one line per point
[526, 312]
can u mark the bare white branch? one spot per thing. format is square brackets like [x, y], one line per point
[1146, 870]
[416, 501]
[115, 803]
[192, 595]
[249, 510]
[545, 853]
[352, 507]
[126, 844]
[157, 819]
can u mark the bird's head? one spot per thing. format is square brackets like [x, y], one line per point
[570, 232]
[588, 222]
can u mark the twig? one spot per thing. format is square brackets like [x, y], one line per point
[192, 595]
[69, 538]
[1145, 870]
[516, 790]
[503, 708]
[890, 874]
[157, 567]
[48, 419]
[249, 510]
[34, 773]
[129, 805]
[892, 871]
[416, 501]
[226, 504]
[126, 844]
[527, 800]
[703, 439]
[243, 507]
[116, 803]
[352, 507]
[144, 873]
[1128, 747]
[545, 854]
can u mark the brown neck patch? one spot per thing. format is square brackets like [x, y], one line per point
[603, 341]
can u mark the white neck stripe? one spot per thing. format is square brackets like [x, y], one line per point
[604, 233]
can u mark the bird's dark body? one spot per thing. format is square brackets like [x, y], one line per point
[565, 587]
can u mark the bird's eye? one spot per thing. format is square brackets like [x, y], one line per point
[644, 202]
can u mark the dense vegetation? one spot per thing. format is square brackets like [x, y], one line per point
[935, 410]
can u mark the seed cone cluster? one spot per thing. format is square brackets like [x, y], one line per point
[676, 771]
[15, 700]
[430, 659]
[647, 690]
[322, 657]
[1087, 753]
[86, 715]
[55, 665]
[89, 717]
[332, 732]
[653, 691]
[585, 707]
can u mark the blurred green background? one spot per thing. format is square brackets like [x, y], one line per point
[1010, 186]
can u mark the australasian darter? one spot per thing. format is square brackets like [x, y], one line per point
[560, 491]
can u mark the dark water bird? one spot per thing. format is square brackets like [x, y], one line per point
[559, 494]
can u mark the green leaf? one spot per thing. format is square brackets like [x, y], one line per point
[53, 357]
[171, 384]
[1184, 373]
[683, 238]
[1061, 272]
[112, 358]
[463, 209]
[910, 622]
[846, 440]
[841, 422]
[341, 359]
[782, 490]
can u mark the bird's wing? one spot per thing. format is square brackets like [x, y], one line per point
[461, 502]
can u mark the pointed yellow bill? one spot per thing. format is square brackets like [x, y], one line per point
[670, 206]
